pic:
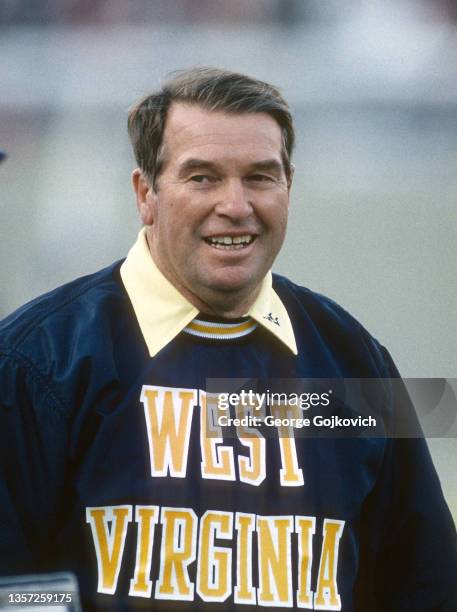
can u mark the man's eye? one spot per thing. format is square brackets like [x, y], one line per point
[260, 178]
[202, 178]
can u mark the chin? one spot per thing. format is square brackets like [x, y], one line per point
[228, 283]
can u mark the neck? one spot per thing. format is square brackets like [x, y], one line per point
[225, 305]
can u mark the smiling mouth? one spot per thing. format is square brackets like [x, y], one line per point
[230, 243]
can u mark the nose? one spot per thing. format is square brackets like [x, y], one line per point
[234, 201]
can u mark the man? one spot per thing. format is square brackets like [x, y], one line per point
[109, 469]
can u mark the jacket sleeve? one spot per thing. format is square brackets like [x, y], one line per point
[408, 547]
[32, 466]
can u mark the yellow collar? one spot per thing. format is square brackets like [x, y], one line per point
[162, 312]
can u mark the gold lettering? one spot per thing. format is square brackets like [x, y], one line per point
[109, 542]
[290, 474]
[244, 591]
[327, 596]
[214, 573]
[274, 560]
[177, 552]
[168, 414]
[305, 526]
[146, 517]
[217, 460]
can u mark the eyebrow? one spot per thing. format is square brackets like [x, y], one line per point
[196, 164]
[272, 165]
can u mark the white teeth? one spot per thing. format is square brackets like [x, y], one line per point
[230, 243]
[229, 240]
[246, 238]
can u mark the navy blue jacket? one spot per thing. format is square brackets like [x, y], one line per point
[85, 487]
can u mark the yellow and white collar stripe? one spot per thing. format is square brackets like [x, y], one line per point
[216, 330]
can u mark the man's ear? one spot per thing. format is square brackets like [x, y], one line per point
[146, 197]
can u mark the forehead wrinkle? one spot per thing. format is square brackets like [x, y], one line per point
[192, 124]
[200, 140]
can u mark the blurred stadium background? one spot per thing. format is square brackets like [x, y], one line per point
[373, 86]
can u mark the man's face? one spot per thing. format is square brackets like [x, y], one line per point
[219, 213]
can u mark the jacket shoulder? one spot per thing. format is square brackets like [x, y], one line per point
[323, 324]
[52, 340]
[73, 300]
[316, 305]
